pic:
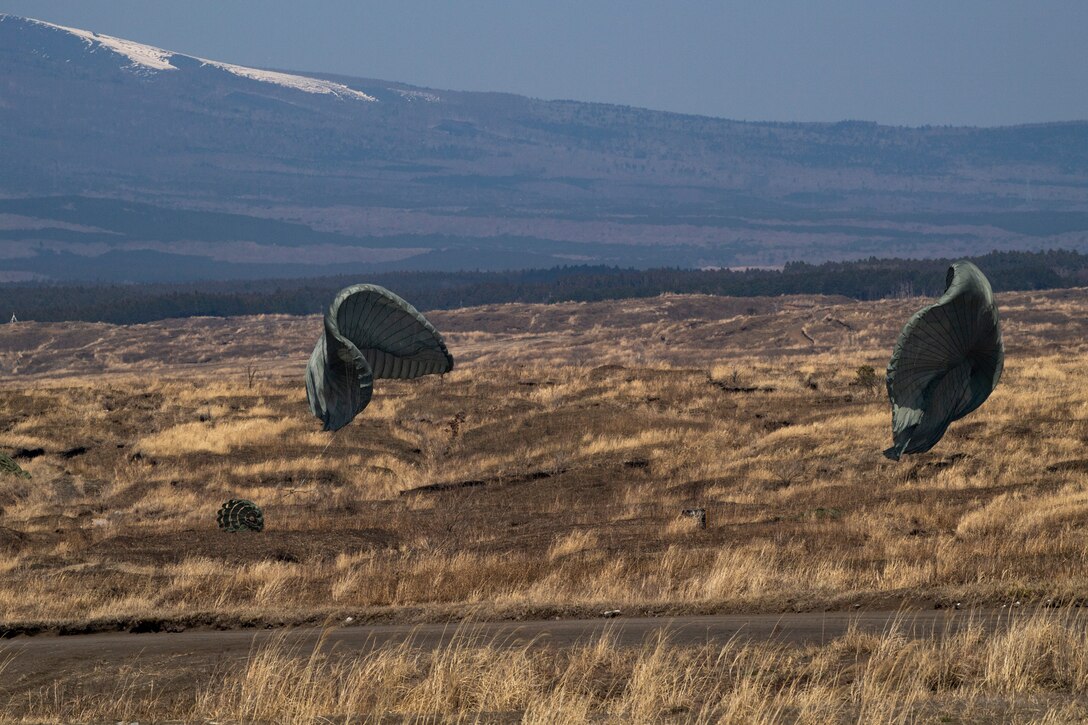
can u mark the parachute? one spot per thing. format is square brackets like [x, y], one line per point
[946, 363]
[8, 465]
[369, 333]
[239, 514]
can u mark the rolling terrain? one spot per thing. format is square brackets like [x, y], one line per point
[544, 477]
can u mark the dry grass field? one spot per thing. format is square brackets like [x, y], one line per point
[545, 477]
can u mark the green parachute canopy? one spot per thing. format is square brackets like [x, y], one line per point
[946, 363]
[239, 514]
[369, 333]
[8, 465]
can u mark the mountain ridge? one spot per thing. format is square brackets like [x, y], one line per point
[486, 180]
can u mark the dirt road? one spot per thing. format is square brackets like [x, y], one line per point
[35, 661]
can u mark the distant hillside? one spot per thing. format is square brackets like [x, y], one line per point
[123, 162]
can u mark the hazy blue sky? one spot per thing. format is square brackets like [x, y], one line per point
[979, 62]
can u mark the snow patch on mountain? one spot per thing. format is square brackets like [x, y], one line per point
[289, 80]
[142, 56]
[149, 59]
[417, 95]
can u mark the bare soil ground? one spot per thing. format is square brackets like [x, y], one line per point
[543, 478]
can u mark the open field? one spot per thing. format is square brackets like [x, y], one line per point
[544, 477]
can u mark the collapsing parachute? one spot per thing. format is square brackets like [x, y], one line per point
[946, 363]
[240, 515]
[369, 333]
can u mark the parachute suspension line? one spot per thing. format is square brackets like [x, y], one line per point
[321, 455]
[304, 482]
[331, 439]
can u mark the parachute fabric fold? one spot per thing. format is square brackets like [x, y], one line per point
[370, 333]
[947, 361]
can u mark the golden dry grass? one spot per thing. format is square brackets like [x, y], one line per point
[561, 489]
[1035, 670]
[586, 430]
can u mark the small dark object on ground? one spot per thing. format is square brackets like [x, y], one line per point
[73, 452]
[610, 613]
[138, 456]
[865, 377]
[726, 387]
[697, 514]
[454, 425]
[240, 515]
[28, 453]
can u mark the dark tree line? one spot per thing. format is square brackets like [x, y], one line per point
[864, 279]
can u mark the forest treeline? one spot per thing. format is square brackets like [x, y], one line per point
[863, 279]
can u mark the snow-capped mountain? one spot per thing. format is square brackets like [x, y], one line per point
[147, 59]
[117, 155]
